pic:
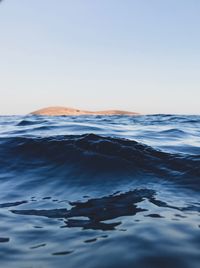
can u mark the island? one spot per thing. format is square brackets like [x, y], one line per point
[58, 111]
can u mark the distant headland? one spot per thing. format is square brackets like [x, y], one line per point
[56, 111]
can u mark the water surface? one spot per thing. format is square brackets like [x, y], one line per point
[100, 191]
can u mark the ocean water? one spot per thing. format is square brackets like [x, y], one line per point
[100, 191]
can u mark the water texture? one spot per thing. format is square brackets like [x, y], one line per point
[100, 191]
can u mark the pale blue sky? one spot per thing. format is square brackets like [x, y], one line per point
[139, 55]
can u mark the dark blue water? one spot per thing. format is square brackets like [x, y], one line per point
[96, 191]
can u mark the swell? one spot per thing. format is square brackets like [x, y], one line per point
[173, 131]
[93, 152]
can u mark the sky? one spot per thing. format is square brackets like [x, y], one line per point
[137, 55]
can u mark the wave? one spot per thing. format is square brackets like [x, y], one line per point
[173, 131]
[32, 121]
[98, 152]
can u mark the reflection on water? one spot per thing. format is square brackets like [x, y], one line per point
[111, 218]
[135, 227]
[99, 210]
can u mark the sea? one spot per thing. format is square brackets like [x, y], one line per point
[100, 191]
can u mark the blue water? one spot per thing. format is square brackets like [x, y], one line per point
[100, 191]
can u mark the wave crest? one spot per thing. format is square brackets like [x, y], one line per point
[95, 150]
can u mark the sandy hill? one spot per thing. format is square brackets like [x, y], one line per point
[71, 111]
